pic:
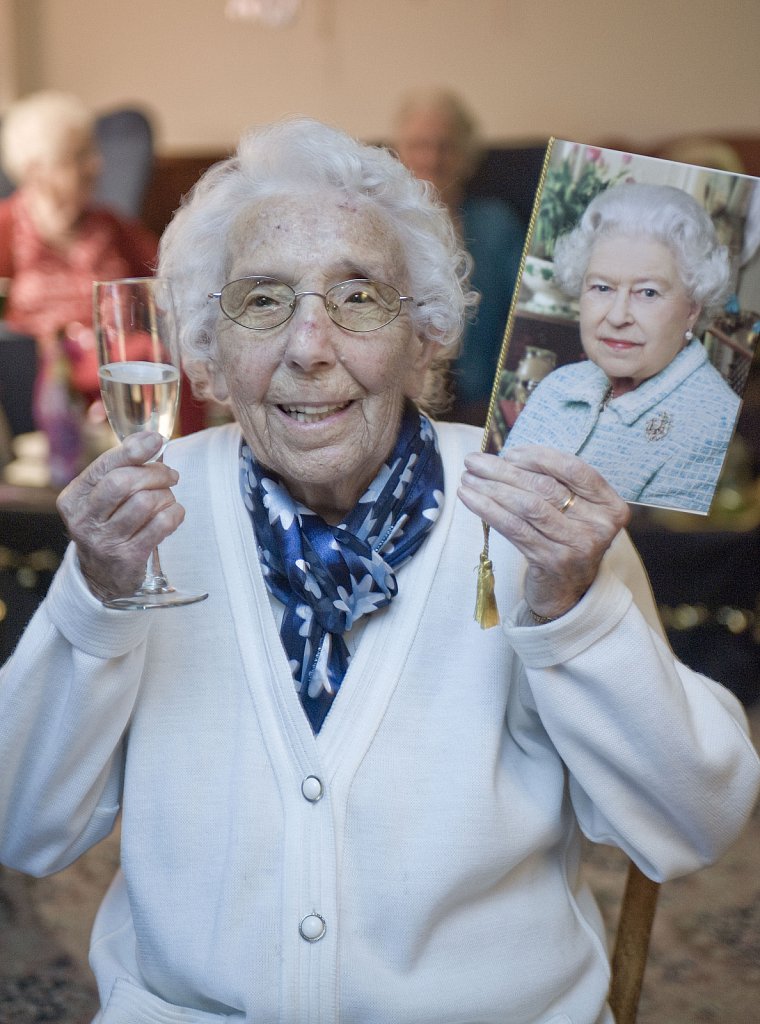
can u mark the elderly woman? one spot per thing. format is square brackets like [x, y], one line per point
[646, 408]
[436, 136]
[53, 241]
[342, 799]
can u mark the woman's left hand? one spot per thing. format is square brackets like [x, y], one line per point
[556, 509]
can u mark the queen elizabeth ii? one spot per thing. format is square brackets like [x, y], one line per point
[341, 799]
[646, 408]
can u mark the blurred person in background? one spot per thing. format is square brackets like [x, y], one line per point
[436, 137]
[53, 240]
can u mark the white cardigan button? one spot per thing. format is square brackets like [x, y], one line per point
[312, 928]
[312, 789]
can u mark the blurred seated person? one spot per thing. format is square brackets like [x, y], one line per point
[53, 241]
[436, 137]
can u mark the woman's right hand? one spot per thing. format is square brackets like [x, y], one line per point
[117, 510]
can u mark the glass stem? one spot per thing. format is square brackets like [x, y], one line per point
[155, 582]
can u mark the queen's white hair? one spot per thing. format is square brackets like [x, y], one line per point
[667, 214]
[35, 130]
[302, 157]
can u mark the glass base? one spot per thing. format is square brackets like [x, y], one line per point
[145, 600]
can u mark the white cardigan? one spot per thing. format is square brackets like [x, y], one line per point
[437, 876]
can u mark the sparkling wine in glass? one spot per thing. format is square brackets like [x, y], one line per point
[138, 352]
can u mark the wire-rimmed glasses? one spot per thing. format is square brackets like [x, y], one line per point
[260, 303]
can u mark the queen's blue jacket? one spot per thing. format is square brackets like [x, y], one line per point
[661, 444]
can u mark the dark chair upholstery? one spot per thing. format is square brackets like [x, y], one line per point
[18, 368]
[706, 586]
[510, 173]
[125, 138]
[32, 543]
[6, 185]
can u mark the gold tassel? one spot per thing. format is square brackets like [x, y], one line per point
[486, 612]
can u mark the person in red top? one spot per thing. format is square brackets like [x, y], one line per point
[53, 241]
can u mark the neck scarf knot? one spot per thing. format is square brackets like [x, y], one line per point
[327, 576]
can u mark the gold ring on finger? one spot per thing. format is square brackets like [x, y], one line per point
[567, 503]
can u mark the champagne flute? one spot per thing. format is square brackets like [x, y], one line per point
[138, 352]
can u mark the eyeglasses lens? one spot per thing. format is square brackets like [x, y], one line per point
[363, 305]
[257, 303]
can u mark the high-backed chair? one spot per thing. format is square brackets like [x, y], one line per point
[512, 174]
[125, 138]
[18, 368]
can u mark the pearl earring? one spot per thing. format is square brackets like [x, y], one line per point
[689, 334]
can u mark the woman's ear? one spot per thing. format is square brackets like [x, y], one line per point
[217, 384]
[219, 388]
[693, 316]
[423, 353]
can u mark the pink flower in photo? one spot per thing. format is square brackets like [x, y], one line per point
[593, 153]
[627, 157]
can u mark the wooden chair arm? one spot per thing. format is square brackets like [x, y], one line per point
[629, 957]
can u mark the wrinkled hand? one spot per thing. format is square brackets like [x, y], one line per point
[117, 511]
[521, 493]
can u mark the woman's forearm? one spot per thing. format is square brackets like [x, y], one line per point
[63, 713]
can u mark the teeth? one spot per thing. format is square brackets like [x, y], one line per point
[311, 413]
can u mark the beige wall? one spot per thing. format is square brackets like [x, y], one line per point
[592, 71]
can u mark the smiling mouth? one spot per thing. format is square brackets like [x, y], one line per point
[312, 413]
[620, 344]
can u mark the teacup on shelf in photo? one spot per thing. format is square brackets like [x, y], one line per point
[539, 292]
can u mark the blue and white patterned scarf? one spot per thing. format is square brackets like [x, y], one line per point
[329, 576]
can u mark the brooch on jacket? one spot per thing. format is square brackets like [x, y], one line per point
[658, 426]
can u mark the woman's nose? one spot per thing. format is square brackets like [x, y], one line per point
[310, 335]
[619, 310]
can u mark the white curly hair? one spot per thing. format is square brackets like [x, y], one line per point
[35, 130]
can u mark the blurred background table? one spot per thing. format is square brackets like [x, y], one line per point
[32, 543]
[704, 576]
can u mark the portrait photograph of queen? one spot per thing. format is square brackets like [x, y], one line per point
[630, 347]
